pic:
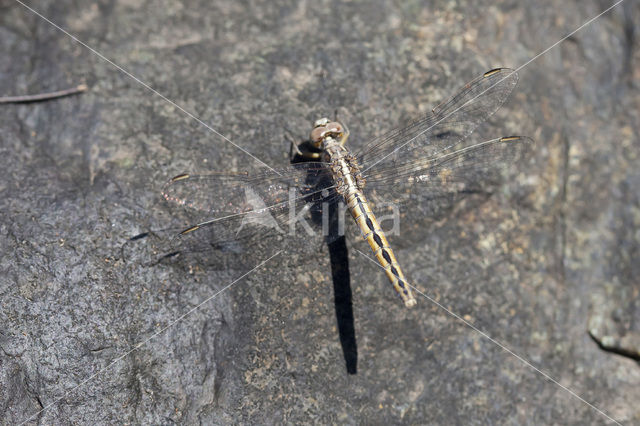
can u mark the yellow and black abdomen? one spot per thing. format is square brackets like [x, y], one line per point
[371, 231]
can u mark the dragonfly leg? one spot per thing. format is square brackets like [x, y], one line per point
[295, 151]
[345, 131]
[302, 151]
[345, 134]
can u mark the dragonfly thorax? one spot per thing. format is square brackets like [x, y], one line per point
[344, 167]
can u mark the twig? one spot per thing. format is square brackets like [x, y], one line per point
[43, 96]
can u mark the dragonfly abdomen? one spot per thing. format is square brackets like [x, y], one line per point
[373, 234]
[346, 173]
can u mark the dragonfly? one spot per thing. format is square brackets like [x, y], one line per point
[428, 162]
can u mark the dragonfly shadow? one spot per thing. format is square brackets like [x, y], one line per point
[341, 278]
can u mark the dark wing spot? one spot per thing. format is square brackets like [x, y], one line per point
[193, 228]
[180, 177]
[492, 72]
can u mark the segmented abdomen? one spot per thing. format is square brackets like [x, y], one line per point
[374, 235]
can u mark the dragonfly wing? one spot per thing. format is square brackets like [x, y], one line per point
[226, 212]
[224, 194]
[437, 182]
[445, 127]
[217, 244]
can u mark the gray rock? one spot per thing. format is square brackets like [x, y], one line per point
[96, 335]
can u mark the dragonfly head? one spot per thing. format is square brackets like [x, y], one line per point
[323, 129]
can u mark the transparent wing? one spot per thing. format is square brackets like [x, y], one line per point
[437, 182]
[225, 212]
[445, 127]
[223, 194]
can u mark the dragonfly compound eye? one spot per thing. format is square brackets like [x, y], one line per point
[318, 134]
[334, 129]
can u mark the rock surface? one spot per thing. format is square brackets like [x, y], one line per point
[545, 266]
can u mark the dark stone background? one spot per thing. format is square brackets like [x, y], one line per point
[539, 266]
